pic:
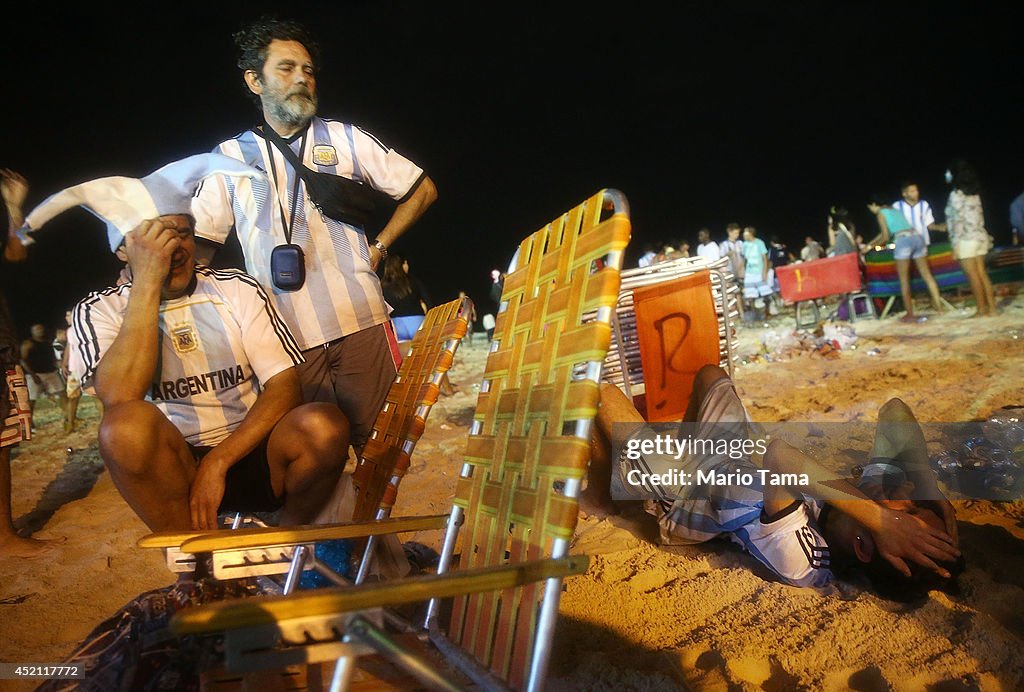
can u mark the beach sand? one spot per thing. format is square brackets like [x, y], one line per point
[643, 617]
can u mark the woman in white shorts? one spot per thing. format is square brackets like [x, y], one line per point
[965, 221]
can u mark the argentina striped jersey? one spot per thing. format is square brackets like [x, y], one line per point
[217, 345]
[918, 215]
[342, 293]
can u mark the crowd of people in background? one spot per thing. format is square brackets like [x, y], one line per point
[904, 227]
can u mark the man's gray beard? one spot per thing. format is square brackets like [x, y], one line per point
[293, 112]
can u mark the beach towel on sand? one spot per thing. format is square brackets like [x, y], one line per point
[134, 650]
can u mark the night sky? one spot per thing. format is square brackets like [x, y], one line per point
[760, 113]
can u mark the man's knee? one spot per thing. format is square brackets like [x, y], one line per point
[707, 376]
[322, 428]
[128, 434]
[895, 410]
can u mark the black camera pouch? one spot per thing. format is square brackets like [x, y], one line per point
[288, 267]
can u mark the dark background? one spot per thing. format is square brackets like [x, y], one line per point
[760, 113]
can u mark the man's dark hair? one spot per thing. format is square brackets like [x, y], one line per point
[890, 584]
[879, 199]
[253, 42]
[907, 183]
[965, 178]
[884, 579]
[731, 226]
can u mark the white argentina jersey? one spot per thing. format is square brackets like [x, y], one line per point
[918, 215]
[342, 293]
[217, 345]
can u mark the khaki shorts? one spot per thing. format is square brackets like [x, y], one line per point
[355, 372]
[971, 247]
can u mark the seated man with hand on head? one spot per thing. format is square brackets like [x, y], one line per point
[803, 532]
[196, 372]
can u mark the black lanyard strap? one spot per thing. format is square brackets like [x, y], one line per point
[289, 225]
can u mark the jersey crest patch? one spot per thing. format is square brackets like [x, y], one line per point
[325, 155]
[184, 338]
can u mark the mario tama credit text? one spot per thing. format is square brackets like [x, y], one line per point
[655, 458]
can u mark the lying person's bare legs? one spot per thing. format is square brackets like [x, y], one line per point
[596, 499]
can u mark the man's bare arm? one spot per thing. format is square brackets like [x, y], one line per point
[125, 372]
[898, 535]
[279, 395]
[404, 216]
[14, 189]
[26, 349]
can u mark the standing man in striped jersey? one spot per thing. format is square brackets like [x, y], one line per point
[916, 210]
[338, 314]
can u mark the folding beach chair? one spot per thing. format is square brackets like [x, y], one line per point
[378, 473]
[515, 505]
[708, 304]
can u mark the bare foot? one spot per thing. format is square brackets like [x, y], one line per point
[16, 546]
[599, 508]
[908, 318]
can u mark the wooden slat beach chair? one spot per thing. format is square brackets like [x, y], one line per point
[624, 366]
[515, 505]
[378, 473]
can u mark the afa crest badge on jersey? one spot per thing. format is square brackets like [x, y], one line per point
[325, 155]
[184, 338]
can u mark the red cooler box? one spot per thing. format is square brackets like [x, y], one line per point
[819, 278]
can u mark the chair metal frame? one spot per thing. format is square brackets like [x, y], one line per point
[516, 505]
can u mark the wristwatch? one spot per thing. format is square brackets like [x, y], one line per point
[382, 248]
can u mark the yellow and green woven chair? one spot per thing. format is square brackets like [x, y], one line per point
[506, 546]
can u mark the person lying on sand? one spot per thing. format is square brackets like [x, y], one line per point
[202, 408]
[804, 522]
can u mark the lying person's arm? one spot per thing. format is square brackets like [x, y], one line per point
[883, 237]
[897, 535]
[900, 440]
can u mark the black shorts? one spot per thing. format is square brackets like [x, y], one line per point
[247, 487]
